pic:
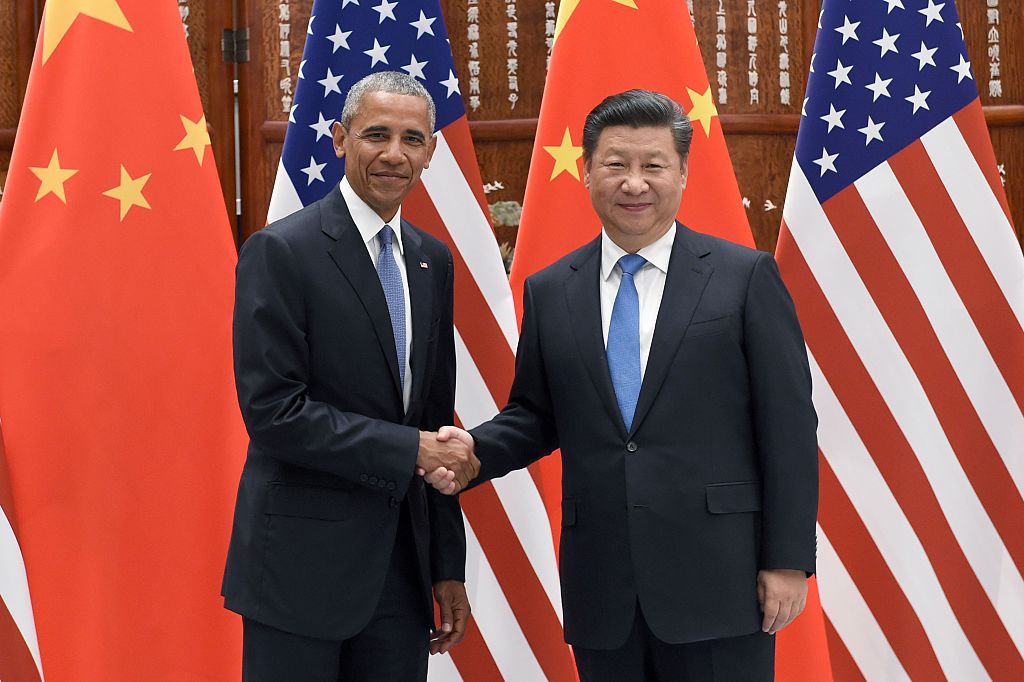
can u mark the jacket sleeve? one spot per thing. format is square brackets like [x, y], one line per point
[524, 431]
[784, 421]
[272, 374]
[447, 530]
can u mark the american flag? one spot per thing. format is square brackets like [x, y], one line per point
[512, 577]
[899, 250]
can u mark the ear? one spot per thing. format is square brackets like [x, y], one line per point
[339, 134]
[586, 175]
[684, 171]
[431, 146]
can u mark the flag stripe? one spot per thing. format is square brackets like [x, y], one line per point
[844, 668]
[508, 646]
[932, 326]
[974, 281]
[882, 594]
[852, 468]
[972, 126]
[890, 452]
[471, 659]
[902, 393]
[979, 209]
[853, 621]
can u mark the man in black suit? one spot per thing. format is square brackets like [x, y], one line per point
[344, 351]
[670, 369]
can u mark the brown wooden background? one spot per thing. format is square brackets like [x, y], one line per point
[761, 137]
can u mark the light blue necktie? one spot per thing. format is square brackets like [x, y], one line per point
[624, 340]
[394, 292]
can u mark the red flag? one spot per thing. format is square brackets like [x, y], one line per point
[662, 55]
[123, 436]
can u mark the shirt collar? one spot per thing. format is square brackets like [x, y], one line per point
[657, 254]
[366, 219]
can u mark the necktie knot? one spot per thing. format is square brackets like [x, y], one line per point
[385, 238]
[631, 263]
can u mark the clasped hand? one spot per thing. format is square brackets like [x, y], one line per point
[446, 459]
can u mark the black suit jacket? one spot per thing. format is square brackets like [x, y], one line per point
[332, 452]
[717, 477]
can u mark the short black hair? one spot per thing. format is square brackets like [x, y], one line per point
[637, 109]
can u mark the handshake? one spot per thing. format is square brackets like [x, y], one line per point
[446, 459]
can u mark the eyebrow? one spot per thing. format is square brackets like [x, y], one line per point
[418, 134]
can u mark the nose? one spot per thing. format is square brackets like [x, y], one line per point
[634, 182]
[392, 151]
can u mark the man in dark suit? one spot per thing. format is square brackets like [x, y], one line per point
[344, 351]
[670, 369]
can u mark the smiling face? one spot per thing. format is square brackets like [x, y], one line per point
[387, 145]
[636, 180]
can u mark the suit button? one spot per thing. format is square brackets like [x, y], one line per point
[382, 483]
[373, 480]
[631, 446]
[392, 502]
[363, 477]
[392, 486]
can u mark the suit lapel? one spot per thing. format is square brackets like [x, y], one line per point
[421, 299]
[687, 276]
[349, 253]
[583, 295]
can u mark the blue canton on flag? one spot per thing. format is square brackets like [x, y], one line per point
[883, 73]
[347, 40]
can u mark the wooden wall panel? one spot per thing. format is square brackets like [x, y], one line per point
[17, 38]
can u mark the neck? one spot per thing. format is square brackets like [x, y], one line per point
[631, 243]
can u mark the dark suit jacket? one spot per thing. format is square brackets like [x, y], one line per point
[718, 476]
[332, 454]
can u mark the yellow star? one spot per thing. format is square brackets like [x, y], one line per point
[567, 7]
[52, 178]
[566, 155]
[59, 15]
[129, 191]
[703, 109]
[197, 138]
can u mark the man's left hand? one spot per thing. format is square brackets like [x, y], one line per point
[783, 595]
[454, 604]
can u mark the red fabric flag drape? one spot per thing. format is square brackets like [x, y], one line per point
[123, 435]
[602, 48]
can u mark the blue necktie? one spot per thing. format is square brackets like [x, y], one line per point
[394, 292]
[624, 340]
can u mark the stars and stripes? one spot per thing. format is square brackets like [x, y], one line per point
[899, 250]
[512, 577]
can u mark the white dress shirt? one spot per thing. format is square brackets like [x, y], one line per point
[649, 281]
[369, 224]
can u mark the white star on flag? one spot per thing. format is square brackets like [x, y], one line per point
[452, 83]
[932, 12]
[376, 53]
[309, 26]
[803, 107]
[346, 3]
[919, 99]
[880, 87]
[872, 131]
[827, 162]
[893, 4]
[340, 38]
[887, 42]
[386, 10]
[924, 56]
[330, 82]
[848, 30]
[322, 127]
[314, 171]
[415, 68]
[841, 73]
[963, 70]
[423, 25]
[301, 65]
[291, 113]
[834, 118]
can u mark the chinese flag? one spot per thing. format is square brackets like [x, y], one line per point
[603, 47]
[124, 440]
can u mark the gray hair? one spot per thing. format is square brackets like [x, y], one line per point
[638, 109]
[392, 82]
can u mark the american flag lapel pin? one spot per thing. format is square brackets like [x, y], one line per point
[424, 265]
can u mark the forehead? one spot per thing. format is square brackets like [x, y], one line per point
[647, 140]
[391, 110]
